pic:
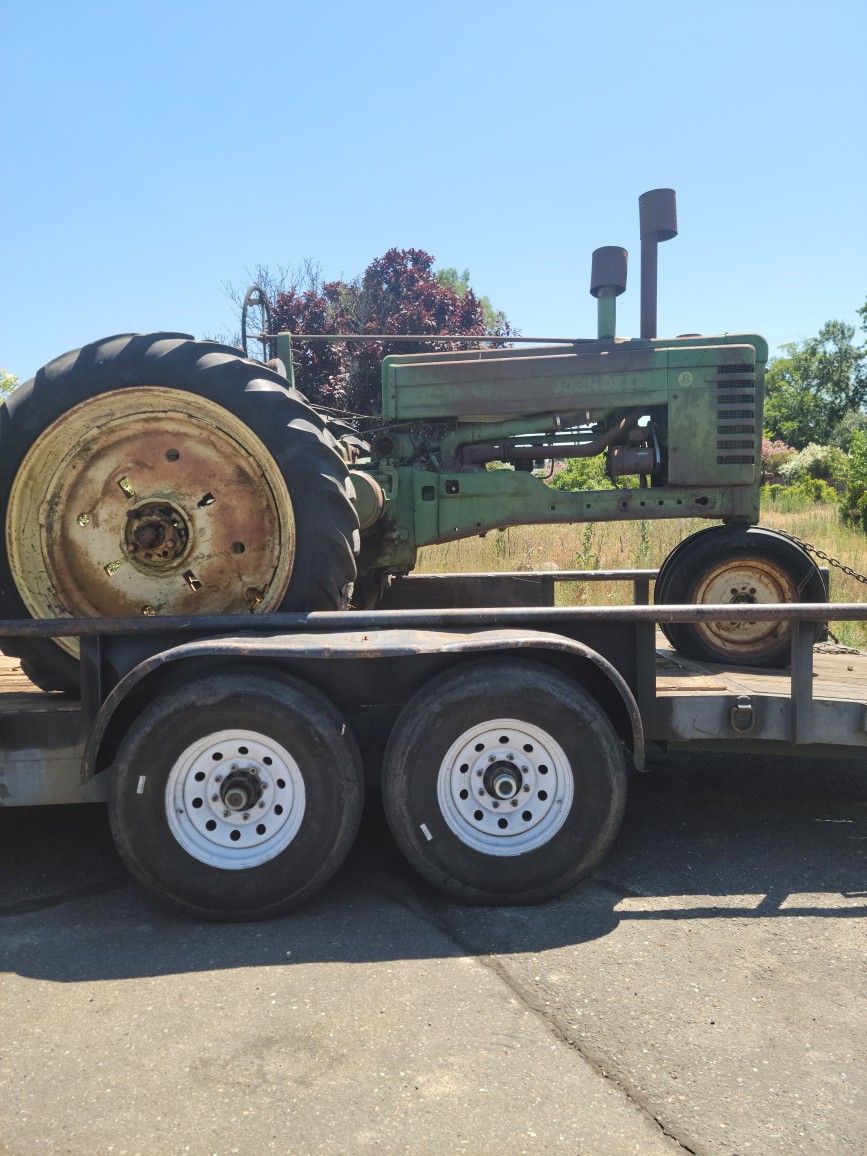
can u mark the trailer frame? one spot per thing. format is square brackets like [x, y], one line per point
[57, 749]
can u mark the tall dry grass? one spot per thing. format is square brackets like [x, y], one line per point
[620, 545]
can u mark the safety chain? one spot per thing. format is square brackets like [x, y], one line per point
[835, 562]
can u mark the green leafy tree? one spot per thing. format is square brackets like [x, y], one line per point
[8, 381]
[813, 388]
[495, 320]
[853, 500]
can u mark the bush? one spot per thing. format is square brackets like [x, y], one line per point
[588, 474]
[800, 496]
[814, 461]
[815, 490]
[853, 500]
[775, 454]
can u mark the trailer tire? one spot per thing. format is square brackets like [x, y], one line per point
[725, 564]
[238, 796]
[282, 472]
[545, 779]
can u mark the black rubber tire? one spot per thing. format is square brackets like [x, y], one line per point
[670, 565]
[688, 564]
[281, 707]
[348, 435]
[307, 455]
[445, 709]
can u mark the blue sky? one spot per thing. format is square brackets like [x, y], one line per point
[152, 152]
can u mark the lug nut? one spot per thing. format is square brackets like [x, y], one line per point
[492, 758]
[225, 814]
[214, 798]
[245, 816]
[261, 806]
[218, 779]
[526, 789]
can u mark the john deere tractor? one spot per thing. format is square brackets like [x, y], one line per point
[153, 474]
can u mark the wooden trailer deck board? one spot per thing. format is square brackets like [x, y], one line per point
[836, 677]
[18, 695]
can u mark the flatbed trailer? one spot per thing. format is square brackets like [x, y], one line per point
[467, 695]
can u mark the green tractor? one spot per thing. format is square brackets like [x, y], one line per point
[153, 474]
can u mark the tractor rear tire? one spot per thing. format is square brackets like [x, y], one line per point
[724, 564]
[158, 437]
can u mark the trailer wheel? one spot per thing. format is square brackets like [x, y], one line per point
[153, 474]
[504, 782]
[238, 796]
[723, 565]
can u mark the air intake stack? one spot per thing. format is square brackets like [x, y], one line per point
[607, 282]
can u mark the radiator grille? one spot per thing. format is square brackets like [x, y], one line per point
[736, 399]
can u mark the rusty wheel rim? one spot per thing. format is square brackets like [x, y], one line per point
[148, 501]
[748, 580]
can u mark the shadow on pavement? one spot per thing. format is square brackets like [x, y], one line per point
[767, 839]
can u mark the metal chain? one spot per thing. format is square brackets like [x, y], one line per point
[835, 562]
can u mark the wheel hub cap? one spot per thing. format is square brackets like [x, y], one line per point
[157, 536]
[502, 781]
[241, 790]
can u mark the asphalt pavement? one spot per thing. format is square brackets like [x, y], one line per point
[703, 992]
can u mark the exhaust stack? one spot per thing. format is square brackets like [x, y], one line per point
[657, 211]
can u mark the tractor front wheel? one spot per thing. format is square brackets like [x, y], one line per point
[737, 567]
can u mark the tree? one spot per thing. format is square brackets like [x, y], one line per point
[815, 391]
[8, 381]
[853, 500]
[398, 293]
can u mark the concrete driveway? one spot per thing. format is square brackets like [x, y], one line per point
[705, 992]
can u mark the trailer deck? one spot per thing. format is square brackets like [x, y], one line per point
[699, 706]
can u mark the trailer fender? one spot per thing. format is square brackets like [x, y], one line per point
[353, 644]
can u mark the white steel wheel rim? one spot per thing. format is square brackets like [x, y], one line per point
[739, 582]
[235, 799]
[505, 787]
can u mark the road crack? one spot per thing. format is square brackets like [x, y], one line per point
[428, 910]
